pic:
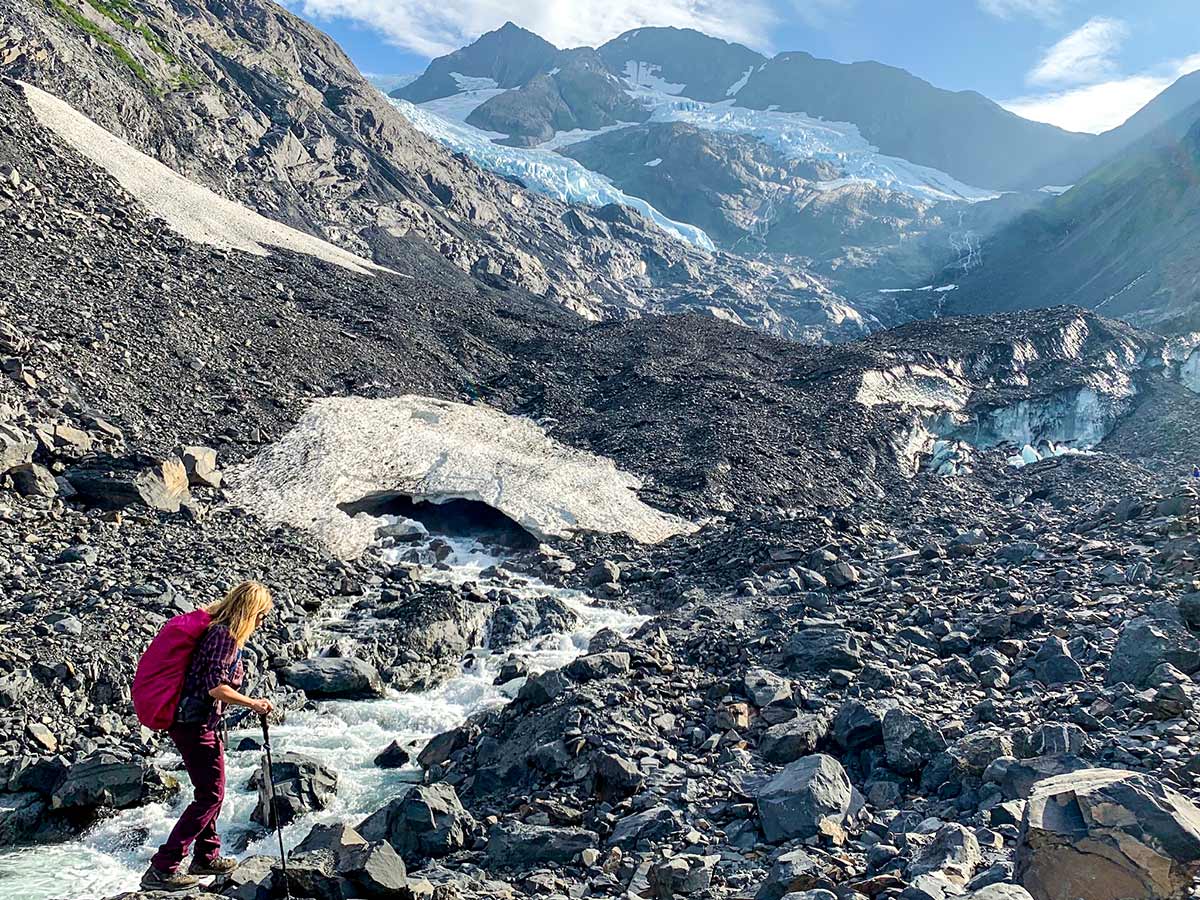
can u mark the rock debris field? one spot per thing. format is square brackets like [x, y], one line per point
[856, 678]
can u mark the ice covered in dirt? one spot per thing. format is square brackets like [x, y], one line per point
[189, 209]
[347, 450]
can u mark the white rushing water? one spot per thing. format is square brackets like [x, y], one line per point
[345, 735]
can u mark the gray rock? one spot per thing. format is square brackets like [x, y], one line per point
[794, 871]
[763, 687]
[954, 854]
[1108, 834]
[820, 649]
[909, 742]
[33, 480]
[333, 677]
[1053, 663]
[681, 876]
[302, 785]
[517, 845]
[1160, 636]
[105, 780]
[790, 740]
[426, 822]
[16, 448]
[807, 798]
[115, 483]
[857, 725]
[200, 463]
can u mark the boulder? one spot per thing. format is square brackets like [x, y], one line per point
[114, 483]
[652, 826]
[334, 677]
[518, 845]
[256, 878]
[32, 480]
[1108, 834]
[301, 784]
[16, 448]
[613, 777]
[426, 822]
[1053, 663]
[200, 463]
[393, 757]
[790, 740]
[1160, 636]
[794, 871]
[20, 815]
[105, 780]
[954, 854]
[857, 726]
[525, 619]
[819, 649]
[809, 797]
[597, 665]
[909, 742]
[763, 688]
[681, 876]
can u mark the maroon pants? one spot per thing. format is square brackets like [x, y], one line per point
[204, 759]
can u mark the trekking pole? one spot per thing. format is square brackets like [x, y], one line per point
[287, 889]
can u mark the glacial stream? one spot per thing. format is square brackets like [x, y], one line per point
[345, 735]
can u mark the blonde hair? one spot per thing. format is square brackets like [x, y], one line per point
[240, 608]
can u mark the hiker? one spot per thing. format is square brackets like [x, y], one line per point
[212, 679]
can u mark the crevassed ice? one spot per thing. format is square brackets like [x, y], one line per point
[345, 449]
[798, 136]
[542, 170]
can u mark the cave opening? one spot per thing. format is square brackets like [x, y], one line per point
[454, 517]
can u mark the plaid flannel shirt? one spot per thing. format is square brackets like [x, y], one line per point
[216, 660]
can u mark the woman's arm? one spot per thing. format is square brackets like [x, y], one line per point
[227, 694]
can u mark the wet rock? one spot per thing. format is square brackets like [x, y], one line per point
[393, 757]
[517, 845]
[538, 690]
[1106, 834]
[807, 798]
[301, 786]
[20, 815]
[106, 780]
[428, 821]
[256, 878]
[330, 677]
[523, 620]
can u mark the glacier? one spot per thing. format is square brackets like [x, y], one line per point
[541, 170]
[798, 136]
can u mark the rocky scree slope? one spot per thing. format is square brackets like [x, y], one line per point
[855, 672]
[256, 104]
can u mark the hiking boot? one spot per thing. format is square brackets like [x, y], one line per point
[218, 865]
[172, 882]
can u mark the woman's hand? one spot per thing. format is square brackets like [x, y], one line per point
[261, 707]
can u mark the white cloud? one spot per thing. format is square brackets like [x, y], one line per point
[1084, 56]
[1046, 10]
[436, 27]
[819, 13]
[1102, 106]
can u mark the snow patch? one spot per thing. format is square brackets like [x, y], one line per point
[647, 75]
[1047, 450]
[473, 82]
[457, 107]
[192, 211]
[740, 83]
[577, 135]
[541, 170]
[345, 449]
[654, 162]
[1055, 189]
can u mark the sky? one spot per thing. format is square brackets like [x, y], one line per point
[1085, 65]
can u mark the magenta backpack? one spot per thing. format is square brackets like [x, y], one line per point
[162, 668]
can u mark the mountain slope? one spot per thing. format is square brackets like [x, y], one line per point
[702, 67]
[1125, 240]
[962, 133]
[508, 56]
[258, 105]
